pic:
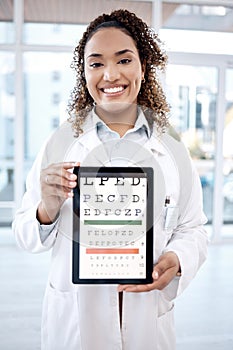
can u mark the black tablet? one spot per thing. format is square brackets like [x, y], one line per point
[113, 225]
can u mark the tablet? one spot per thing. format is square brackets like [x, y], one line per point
[113, 225]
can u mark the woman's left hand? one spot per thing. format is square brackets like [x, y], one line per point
[164, 271]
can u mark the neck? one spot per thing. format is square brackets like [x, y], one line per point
[119, 118]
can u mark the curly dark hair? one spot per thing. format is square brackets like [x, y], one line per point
[151, 97]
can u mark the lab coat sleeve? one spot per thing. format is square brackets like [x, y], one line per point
[25, 226]
[189, 240]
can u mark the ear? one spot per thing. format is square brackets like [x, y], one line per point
[143, 69]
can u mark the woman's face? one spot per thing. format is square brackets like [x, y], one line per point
[113, 70]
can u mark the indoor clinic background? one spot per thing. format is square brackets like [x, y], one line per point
[37, 38]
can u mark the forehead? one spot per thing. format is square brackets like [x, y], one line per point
[109, 39]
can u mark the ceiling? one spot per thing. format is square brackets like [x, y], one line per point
[78, 11]
[72, 11]
[175, 14]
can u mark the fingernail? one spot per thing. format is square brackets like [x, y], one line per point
[155, 275]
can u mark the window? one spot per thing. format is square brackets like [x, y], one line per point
[7, 127]
[191, 92]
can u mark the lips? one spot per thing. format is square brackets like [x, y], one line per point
[113, 89]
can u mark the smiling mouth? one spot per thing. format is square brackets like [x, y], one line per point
[113, 90]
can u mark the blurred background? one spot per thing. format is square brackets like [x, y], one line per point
[37, 38]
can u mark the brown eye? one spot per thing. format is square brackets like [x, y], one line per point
[125, 61]
[95, 65]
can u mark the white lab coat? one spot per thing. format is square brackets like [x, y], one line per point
[81, 317]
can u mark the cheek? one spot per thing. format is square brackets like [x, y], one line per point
[87, 77]
[137, 79]
[88, 74]
[136, 76]
[90, 84]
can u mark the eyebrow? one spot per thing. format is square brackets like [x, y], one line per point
[118, 53]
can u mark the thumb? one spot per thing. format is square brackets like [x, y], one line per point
[155, 274]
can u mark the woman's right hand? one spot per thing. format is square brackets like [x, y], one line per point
[57, 183]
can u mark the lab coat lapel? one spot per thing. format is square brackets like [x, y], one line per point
[145, 155]
[94, 149]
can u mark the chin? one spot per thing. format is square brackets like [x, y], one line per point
[115, 107]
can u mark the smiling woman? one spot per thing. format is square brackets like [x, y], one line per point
[118, 117]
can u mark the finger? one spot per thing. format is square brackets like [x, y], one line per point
[67, 165]
[165, 262]
[55, 174]
[161, 280]
[159, 284]
[65, 181]
[63, 171]
[160, 268]
[60, 169]
[155, 274]
[58, 191]
[165, 278]
[137, 288]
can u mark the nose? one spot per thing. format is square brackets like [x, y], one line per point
[111, 73]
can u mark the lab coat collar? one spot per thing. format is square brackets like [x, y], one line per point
[90, 140]
[141, 121]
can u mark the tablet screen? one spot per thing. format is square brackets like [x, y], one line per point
[113, 225]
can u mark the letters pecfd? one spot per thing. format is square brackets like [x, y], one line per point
[113, 223]
[99, 198]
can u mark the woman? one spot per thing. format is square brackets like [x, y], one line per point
[118, 103]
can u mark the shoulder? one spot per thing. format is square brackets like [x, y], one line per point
[175, 144]
[63, 131]
[58, 143]
[177, 151]
[171, 142]
[61, 140]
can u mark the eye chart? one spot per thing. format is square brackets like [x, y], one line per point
[113, 225]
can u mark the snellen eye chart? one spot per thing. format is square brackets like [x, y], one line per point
[113, 225]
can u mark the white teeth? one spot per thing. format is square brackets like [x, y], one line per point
[114, 89]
